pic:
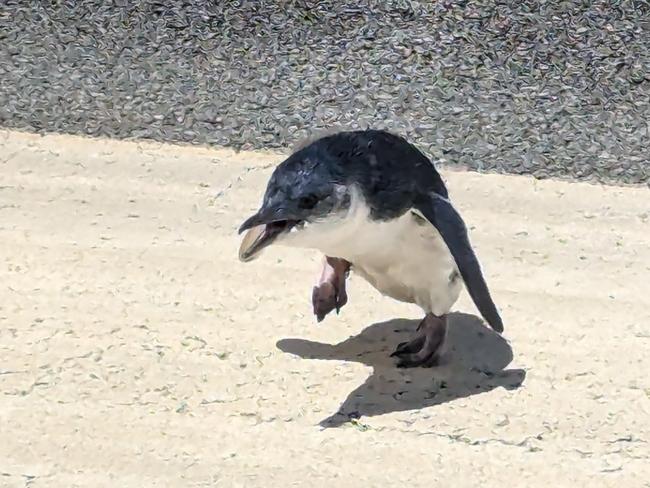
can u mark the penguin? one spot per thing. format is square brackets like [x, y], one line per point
[373, 204]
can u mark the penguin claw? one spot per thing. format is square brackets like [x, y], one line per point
[324, 300]
[408, 347]
[424, 349]
[329, 293]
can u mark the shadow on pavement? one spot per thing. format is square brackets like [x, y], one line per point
[474, 363]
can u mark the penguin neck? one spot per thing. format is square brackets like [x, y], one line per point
[342, 234]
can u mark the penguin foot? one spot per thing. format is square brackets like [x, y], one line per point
[426, 347]
[329, 292]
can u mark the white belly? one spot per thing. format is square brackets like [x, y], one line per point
[408, 261]
[405, 259]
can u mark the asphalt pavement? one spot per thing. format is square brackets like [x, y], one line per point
[548, 88]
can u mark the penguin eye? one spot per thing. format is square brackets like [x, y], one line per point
[308, 202]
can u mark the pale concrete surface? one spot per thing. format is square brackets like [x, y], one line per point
[136, 351]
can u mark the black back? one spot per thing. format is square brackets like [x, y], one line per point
[389, 170]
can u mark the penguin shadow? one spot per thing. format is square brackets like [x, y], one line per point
[474, 363]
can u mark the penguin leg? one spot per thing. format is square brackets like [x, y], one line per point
[329, 291]
[426, 346]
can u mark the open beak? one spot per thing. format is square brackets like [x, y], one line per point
[261, 234]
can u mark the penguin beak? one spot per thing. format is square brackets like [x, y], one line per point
[263, 229]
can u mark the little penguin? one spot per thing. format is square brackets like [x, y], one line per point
[374, 204]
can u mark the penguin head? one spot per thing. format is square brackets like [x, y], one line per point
[302, 193]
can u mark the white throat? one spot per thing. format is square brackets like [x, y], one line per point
[342, 235]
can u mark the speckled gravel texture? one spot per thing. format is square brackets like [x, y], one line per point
[549, 88]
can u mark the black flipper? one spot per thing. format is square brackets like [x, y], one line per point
[451, 227]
